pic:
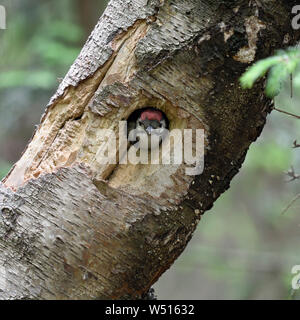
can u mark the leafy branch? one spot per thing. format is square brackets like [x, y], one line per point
[283, 64]
[278, 67]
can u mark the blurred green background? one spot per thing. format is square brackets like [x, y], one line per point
[244, 248]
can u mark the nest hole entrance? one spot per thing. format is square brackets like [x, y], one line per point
[152, 178]
[147, 127]
[135, 114]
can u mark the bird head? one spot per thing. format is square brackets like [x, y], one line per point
[150, 120]
[148, 128]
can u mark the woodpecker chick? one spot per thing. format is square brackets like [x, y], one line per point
[149, 129]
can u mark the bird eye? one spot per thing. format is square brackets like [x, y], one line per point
[140, 123]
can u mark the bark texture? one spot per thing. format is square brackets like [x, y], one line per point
[72, 228]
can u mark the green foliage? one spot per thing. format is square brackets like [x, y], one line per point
[4, 168]
[58, 47]
[39, 79]
[284, 63]
[38, 57]
[270, 157]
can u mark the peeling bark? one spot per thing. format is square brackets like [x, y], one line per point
[72, 228]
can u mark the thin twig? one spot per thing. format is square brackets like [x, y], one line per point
[290, 204]
[296, 145]
[292, 174]
[288, 113]
[291, 84]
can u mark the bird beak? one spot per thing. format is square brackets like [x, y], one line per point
[149, 129]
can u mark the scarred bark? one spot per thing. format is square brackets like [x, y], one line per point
[72, 228]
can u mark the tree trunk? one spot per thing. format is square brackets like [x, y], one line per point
[73, 228]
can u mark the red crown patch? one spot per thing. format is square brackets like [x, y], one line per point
[151, 115]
